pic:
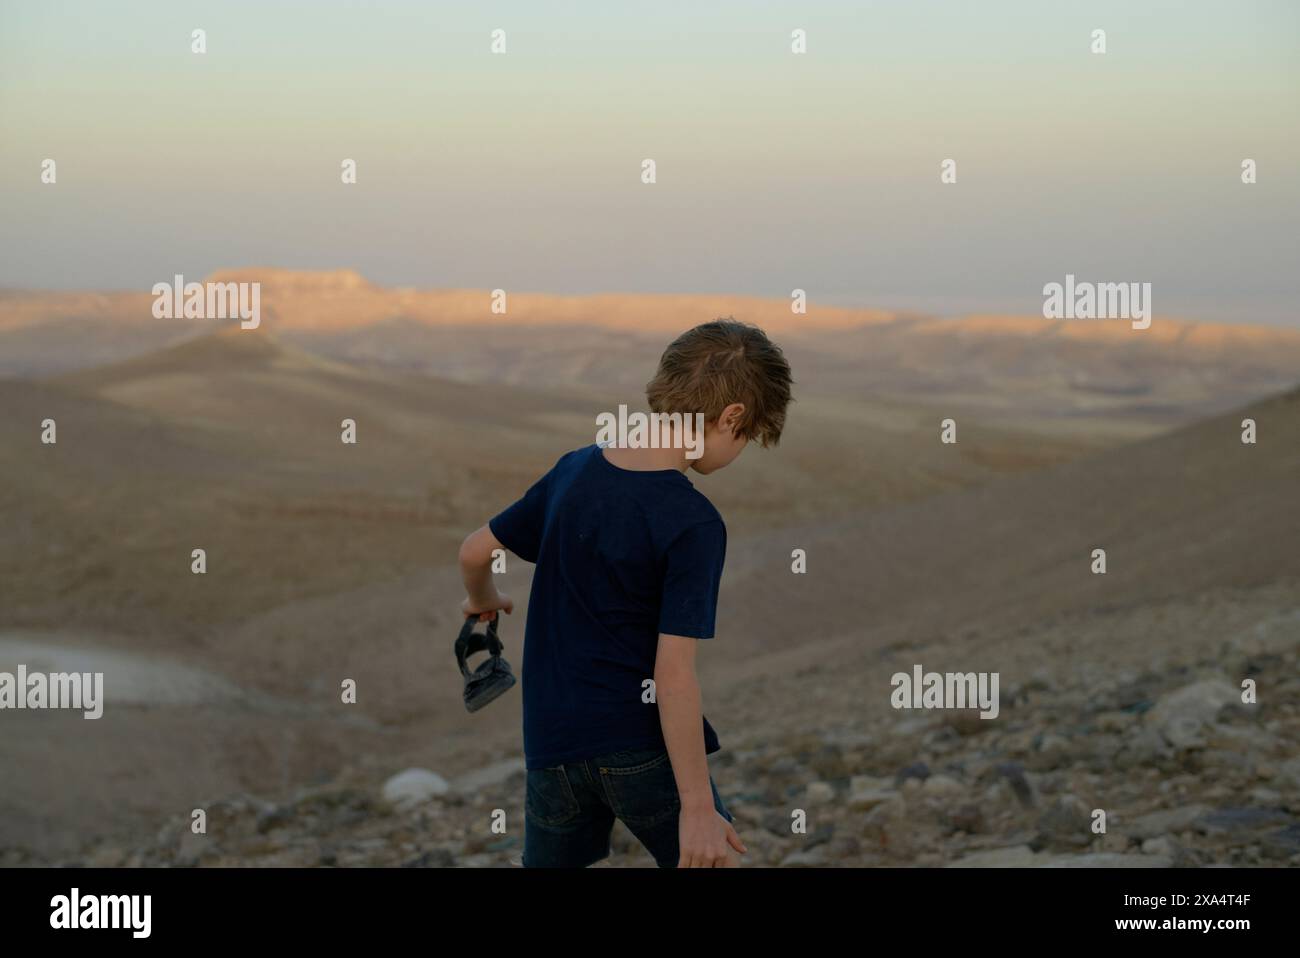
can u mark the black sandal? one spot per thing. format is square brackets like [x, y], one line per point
[493, 675]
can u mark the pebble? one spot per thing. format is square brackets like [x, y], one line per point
[414, 786]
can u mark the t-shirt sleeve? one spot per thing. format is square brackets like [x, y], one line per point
[519, 526]
[693, 571]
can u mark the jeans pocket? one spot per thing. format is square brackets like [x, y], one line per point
[641, 786]
[548, 797]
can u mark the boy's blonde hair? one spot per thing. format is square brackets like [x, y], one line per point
[725, 361]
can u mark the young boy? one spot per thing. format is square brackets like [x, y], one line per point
[629, 556]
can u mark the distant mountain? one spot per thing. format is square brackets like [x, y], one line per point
[1020, 368]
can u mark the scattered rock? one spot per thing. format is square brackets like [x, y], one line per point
[1014, 773]
[1108, 860]
[1158, 823]
[967, 818]
[967, 722]
[1222, 786]
[413, 787]
[273, 818]
[917, 770]
[1184, 716]
[1144, 747]
[1288, 773]
[886, 827]
[1117, 721]
[1111, 842]
[1067, 821]
[819, 793]
[1283, 843]
[810, 858]
[1164, 845]
[1017, 856]
[1240, 819]
[434, 858]
[866, 792]
[942, 785]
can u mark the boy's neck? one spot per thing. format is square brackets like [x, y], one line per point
[647, 460]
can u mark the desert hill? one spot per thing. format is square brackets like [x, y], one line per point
[237, 434]
[1081, 375]
[1183, 512]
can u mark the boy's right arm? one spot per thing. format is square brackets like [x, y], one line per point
[704, 835]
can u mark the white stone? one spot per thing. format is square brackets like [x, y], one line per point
[942, 785]
[1183, 715]
[819, 793]
[413, 786]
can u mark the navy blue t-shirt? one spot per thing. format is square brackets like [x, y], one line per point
[621, 556]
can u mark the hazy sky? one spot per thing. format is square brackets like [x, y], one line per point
[775, 171]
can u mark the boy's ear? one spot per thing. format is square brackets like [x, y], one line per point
[731, 416]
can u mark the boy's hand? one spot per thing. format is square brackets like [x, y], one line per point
[705, 840]
[486, 609]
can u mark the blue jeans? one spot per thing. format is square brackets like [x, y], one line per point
[569, 810]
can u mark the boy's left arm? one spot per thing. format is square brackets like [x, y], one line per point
[481, 595]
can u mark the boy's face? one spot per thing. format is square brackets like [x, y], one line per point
[721, 444]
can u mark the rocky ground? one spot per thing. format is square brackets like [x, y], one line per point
[1186, 773]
